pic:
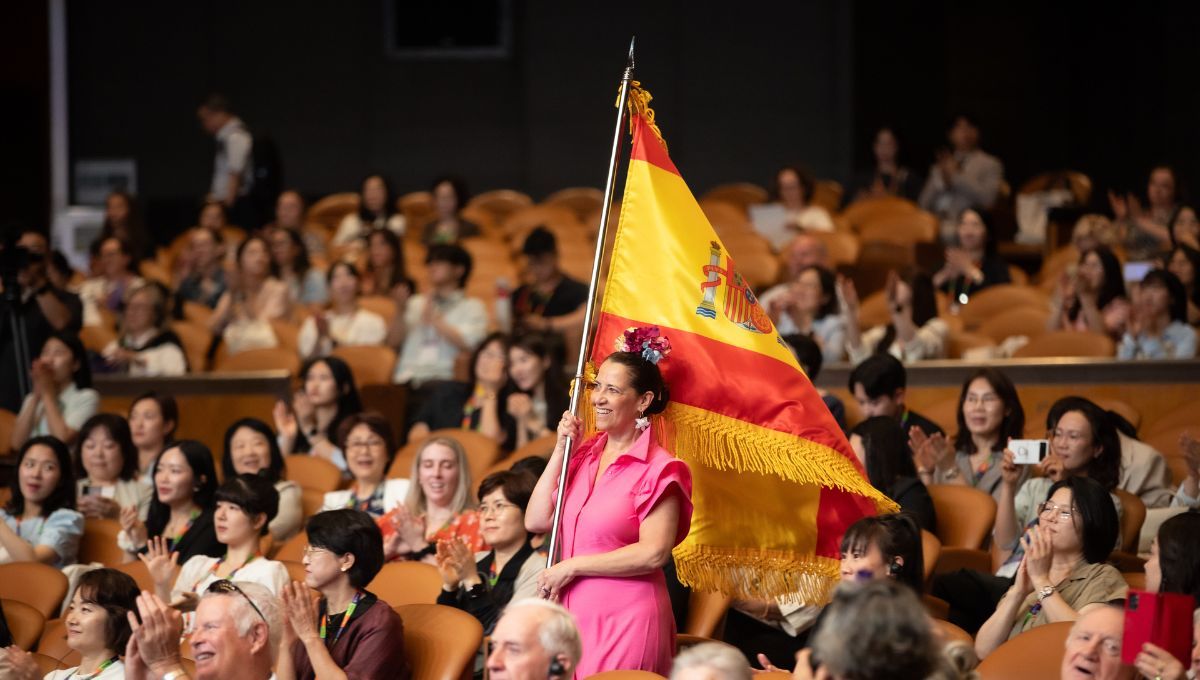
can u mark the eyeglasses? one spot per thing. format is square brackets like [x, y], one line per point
[985, 400]
[225, 586]
[495, 508]
[1110, 646]
[310, 551]
[1060, 512]
[355, 444]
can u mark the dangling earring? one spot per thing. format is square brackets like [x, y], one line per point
[641, 422]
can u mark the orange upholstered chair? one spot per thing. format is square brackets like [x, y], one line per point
[741, 194]
[312, 472]
[278, 358]
[440, 642]
[407, 583]
[24, 622]
[1035, 654]
[1068, 344]
[330, 210]
[99, 542]
[500, 203]
[965, 515]
[38, 585]
[580, 200]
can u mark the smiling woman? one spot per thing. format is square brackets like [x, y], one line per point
[106, 467]
[438, 506]
[40, 522]
[251, 448]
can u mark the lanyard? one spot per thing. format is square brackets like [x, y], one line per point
[217, 565]
[363, 503]
[99, 670]
[345, 619]
[191, 520]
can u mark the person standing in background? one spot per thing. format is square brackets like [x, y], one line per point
[233, 165]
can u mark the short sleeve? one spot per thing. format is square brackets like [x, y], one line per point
[670, 475]
[1105, 585]
[83, 405]
[61, 533]
[307, 339]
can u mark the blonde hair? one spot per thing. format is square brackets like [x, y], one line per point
[416, 500]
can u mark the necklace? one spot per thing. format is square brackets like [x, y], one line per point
[212, 571]
[98, 671]
[345, 619]
[191, 520]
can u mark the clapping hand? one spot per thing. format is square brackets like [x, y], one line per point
[849, 296]
[930, 452]
[155, 638]
[285, 420]
[160, 561]
[300, 611]
[1190, 448]
[18, 664]
[1038, 551]
[454, 561]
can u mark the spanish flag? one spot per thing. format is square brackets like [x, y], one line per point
[775, 482]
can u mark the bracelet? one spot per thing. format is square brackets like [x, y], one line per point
[177, 674]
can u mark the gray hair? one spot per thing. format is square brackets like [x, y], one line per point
[725, 660]
[244, 617]
[557, 632]
[876, 630]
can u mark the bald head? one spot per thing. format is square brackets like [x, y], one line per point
[806, 250]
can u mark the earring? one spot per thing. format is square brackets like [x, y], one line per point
[641, 422]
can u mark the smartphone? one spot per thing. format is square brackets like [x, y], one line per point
[1162, 619]
[1029, 451]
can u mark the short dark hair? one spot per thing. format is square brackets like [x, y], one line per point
[376, 423]
[540, 241]
[1013, 423]
[117, 428]
[896, 535]
[204, 483]
[1177, 300]
[495, 336]
[887, 456]
[166, 406]
[534, 465]
[274, 470]
[1095, 515]
[1106, 467]
[807, 184]
[82, 377]
[454, 255]
[516, 485]
[1179, 555]
[965, 116]
[254, 494]
[217, 102]
[346, 531]
[462, 193]
[389, 198]
[645, 377]
[808, 354]
[116, 593]
[828, 288]
[63, 495]
[880, 374]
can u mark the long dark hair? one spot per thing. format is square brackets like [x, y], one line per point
[543, 347]
[274, 470]
[886, 451]
[1193, 256]
[204, 484]
[645, 377]
[897, 536]
[82, 377]
[389, 200]
[505, 343]
[63, 495]
[166, 406]
[1106, 467]
[1094, 515]
[302, 263]
[398, 274]
[924, 304]
[348, 401]
[1013, 423]
[1113, 286]
[828, 288]
[272, 265]
[1179, 555]
[118, 429]
[1175, 216]
[989, 228]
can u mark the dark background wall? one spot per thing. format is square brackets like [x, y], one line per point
[740, 88]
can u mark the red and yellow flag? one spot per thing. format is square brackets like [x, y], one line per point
[775, 481]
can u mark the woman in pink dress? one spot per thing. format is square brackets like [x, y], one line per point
[628, 503]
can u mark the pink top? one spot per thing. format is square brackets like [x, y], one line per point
[626, 622]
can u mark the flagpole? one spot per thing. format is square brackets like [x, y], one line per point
[593, 286]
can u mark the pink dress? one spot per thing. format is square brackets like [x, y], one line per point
[625, 622]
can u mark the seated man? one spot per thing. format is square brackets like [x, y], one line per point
[879, 384]
[534, 640]
[710, 661]
[1094, 647]
[551, 301]
[237, 633]
[961, 178]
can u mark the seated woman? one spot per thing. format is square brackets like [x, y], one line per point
[1173, 567]
[289, 255]
[450, 196]
[1184, 227]
[1184, 263]
[1146, 230]
[989, 414]
[62, 397]
[123, 220]
[915, 331]
[1063, 572]
[311, 424]
[345, 323]
[199, 274]
[251, 449]
[106, 468]
[793, 189]
[147, 346]
[438, 506]
[972, 263]
[510, 569]
[153, 418]
[478, 404]
[39, 523]
[97, 622]
[367, 440]
[887, 177]
[105, 292]
[1158, 327]
[291, 213]
[537, 391]
[350, 633]
[254, 298]
[879, 443]
[809, 306]
[385, 271]
[246, 504]
[181, 509]
[376, 210]
[1188, 493]
[1093, 299]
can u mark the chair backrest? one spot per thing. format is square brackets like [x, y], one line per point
[8, 419]
[382, 305]
[965, 515]
[952, 633]
[841, 246]
[1133, 515]
[827, 193]
[47, 664]
[96, 338]
[1068, 344]
[53, 643]
[288, 335]
[482, 451]
[903, 228]
[931, 547]
[330, 210]
[138, 572]
[541, 447]
[312, 472]
[196, 340]
[24, 622]
[579, 200]
[500, 202]
[706, 613]
[293, 549]
[1027, 321]
[1000, 298]
[295, 570]
[311, 501]
[38, 585]
[1035, 654]
[407, 583]
[276, 358]
[741, 194]
[1136, 580]
[626, 675]
[440, 642]
[99, 542]
[370, 364]
[1121, 408]
[864, 210]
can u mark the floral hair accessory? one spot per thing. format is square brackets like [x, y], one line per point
[648, 341]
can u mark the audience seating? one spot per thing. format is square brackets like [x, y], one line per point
[1068, 344]
[482, 451]
[196, 340]
[827, 193]
[1136, 580]
[311, 501]
[1184, 414]
[53, 643]
[137, 571]
[931, 549]
[902, 228]
[500, 203]
[993, 300]
[293, 549]
[24, 622]
[312, 472]
[1035, 654]
[440, 642]
[96, 338]
[288, 335]
[1122, 409]
[541, 447]
[740, 194]
[196, 312]
[518, 225]
[47, 664]
[1027, 321]
[330, 210]
[407, 583]
[952, 633]
[417, 208]
[842, 247]
[1079, 184]
[1133, 514]
[99, 542]
[38, 585]
[965, 515]
[383, 305]
[706, 613]
[258, 360]
[867, 210]
[370, 364]
[295, 571]
[580, 200]
[8, 420]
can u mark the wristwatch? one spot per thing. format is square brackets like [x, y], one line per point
[1045, 592]
[176, 674]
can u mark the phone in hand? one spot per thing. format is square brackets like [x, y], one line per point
[1029, 451]
[1162, 619]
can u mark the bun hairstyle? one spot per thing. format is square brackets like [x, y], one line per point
[645, 377]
